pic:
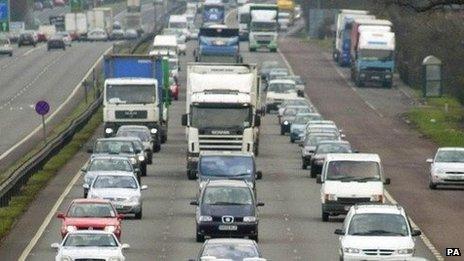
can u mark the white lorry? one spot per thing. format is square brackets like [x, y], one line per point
[76, 25]
[263, 27]
[165, 45]
[243, 17]
[101, 18]
[222, 110]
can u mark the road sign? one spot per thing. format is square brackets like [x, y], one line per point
[42, 107]
[4, 15]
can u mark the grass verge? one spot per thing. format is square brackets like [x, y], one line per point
[19, 204]
[442, 120]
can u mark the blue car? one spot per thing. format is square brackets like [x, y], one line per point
[298, 125]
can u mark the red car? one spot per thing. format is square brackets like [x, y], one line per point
[91, 214]
[174, 87]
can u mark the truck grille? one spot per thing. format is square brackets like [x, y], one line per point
[353, 201]
[221, 142]
[262, 42]
[131, 114]
[378, 252]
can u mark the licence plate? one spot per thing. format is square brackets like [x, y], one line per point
[227, 227]
[375, 77]
[119, 206]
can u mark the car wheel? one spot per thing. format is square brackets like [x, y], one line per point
[138, 215]
[200, 238]
[144, 169]
[11, 54]
[282, 131]
[432, 185]
[388, 85]
[313, 172]
[191, 175]
[256, 149]
[325, 216]
[150, 158]
[255, 238]
[292, 140]
[303, 165]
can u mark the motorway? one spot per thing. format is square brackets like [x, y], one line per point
[290, 222]
[33, 74]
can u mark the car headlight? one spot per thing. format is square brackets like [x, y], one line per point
[71, 228]
[108, 130]
[133, 161]
[406, 251]
[141, 158]
[351, 250]
[388, 76]
[378, 198]
[439, 171]
[330, 197]
[154, 131]
[115, 258]
[66, 258]
[249, 219]
[205, 218]
[110, 229]
[286, 122]
[133, 198]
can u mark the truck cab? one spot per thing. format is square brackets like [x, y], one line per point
[218, 45]
[213, 12]
[263, 27]
[243, 17]
[348, 179]
[165, 45]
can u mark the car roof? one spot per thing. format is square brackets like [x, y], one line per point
[116, 173]
[229, 240]
[225, 153]
[341, 142]
[451, 149]
[119, 139]
[134, 127]
[90, 200]
[89, 232]
[228, 183]
[353, 157]
[282, 81]
[379, 208]
[109, 156]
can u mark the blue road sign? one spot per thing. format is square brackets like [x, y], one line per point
[3, 10]
[42, 107]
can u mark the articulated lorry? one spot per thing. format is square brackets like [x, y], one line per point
[223, 110]
[214, 12]
[136, 93]
[263, 27]
[218, 45]
[344, 25]
[372, 52]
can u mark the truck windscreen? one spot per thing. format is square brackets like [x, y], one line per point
[213, 117]
[375, 55]
[130, 94]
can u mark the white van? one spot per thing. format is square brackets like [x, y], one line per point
[165, 45]
[179, 23]
[348, 179]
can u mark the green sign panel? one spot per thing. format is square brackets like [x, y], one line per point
[4, 15]
[76, 6]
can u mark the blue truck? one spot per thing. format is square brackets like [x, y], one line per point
[218, 45]
[213, 12]
[136, 93]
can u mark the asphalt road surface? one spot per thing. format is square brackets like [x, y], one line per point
[33, 74]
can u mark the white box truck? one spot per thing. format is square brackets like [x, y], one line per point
[101, 18]
[221, 110]
[76, 25]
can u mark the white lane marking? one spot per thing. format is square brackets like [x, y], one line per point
[71, 96]
[423, 237]
[48, 219]
[389, 197]
[286, 62]
[34, 49]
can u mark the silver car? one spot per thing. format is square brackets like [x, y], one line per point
[97, 34]
[122, 189]
[143, 133]
[90, 245]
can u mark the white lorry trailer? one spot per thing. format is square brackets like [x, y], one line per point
[101, 18]
[76, 25]
[222, 110]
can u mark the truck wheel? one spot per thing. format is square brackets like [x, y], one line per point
[282, 131]
[256, 149]
[191, 175]
[325, 216]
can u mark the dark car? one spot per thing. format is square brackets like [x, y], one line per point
[227, 165]
[322, 149]
[226, 208]
[229, 249]
[122, 147]
[26, 38]
[56, 42]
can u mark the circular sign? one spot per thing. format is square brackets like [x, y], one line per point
[42, 107]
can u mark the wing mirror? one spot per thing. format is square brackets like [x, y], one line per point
[260, 204]
[84, 170]
[184, 119]
[429, 160]
[55, 245]
[60, 215]
[416, 233]
[387, 181]
[125, 246]
[259, 174]
[194, 203]
[338, 231]
[319, 179]
[120, 216]
[86, 186]
[144, 187]
[89, 149]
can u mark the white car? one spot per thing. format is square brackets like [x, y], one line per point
[97, 35]
[90, 245]
[66, 38]
[122, 189]
[447, 168]
[5, 46]
[348, 179]
[376, 232]
[279, 91]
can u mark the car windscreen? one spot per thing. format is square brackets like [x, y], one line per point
[110, 165]
[230, 251]
[347, 170]
[142, 135]
[373, 224]
[450, 156]
[87, 209]
[313, 140]
[227, 196]
[110, 181]
[306, 118]
[226, 166]
[130, 94]
[370, 54]
[333, 148]
[233, 117]
[114, 147]
[90, 240]
[295, 111]
[281, 87]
